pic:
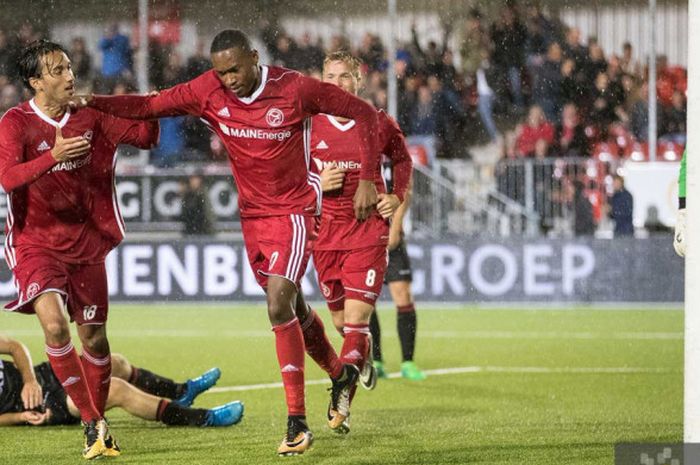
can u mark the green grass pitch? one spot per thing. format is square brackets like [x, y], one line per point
[536, 387]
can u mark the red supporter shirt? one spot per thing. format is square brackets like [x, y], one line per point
[527, 140]
[67, 209]
[266, 135]
[332, 141]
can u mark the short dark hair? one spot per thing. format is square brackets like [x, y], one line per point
[30, 63]
[230, 38]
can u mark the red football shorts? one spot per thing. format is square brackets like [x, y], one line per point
[351, 274]
[83, 287]
[279, 245]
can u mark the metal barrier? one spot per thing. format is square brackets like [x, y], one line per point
[546, 187]
[441, 206]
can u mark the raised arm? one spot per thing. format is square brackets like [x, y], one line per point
[141, 134]
[182, 99]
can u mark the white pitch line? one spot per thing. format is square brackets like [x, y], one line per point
[475, 369]
[251, 334]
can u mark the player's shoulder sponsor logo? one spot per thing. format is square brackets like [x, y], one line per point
[224, 112]
[32, 289]
[44, 146]
[274, 117]
[322, 145]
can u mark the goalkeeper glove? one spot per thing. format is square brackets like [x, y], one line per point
[679, 233]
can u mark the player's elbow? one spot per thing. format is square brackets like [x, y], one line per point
[6, 184]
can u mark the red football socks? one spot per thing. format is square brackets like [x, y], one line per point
[356, 345]
[98, 373]
[289, 342]
[319, 347]
[66, 365]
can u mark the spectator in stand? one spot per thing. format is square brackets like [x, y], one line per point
[547, 86]
[607, 105]
[6, 66]
[485, 79]
[371, 52]
[536, 127]
[430, 60]
[311, 55]
[9, 97]
[448, 75]
[423, 118]
[621, 206]
[81, 62]
[198, 63]
[570, 138]
[584, 224]
[449, 115]
[196, 208]
[570, 89]
[509, 37]
[639, 115]
[407, 100]
[627, 63]
[576, 51]
[16, 44]
[172, 142]
[596, 63]
[116, 54]
[173, 72]
[674, 128]
[474, 43]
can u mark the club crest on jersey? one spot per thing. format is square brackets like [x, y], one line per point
[325, 290]
[274, 117]
[88, 135]
[32, 289]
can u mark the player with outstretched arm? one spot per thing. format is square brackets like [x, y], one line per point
[263, 116]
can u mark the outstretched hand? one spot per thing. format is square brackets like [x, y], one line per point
[80, 100]
[66, 149]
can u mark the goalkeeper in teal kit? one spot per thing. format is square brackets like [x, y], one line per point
[679, 234]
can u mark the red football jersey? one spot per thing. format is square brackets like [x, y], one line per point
[68, 209]
[267, 135]
[335, 142]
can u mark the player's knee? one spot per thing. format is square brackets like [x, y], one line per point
[57, 332]
[402, 294]
[117, 391]
[120, 366]
[95, 342]
[280, 305]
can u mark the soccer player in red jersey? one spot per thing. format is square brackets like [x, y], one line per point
[57, 168]
[263, 116]
[350, 256]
